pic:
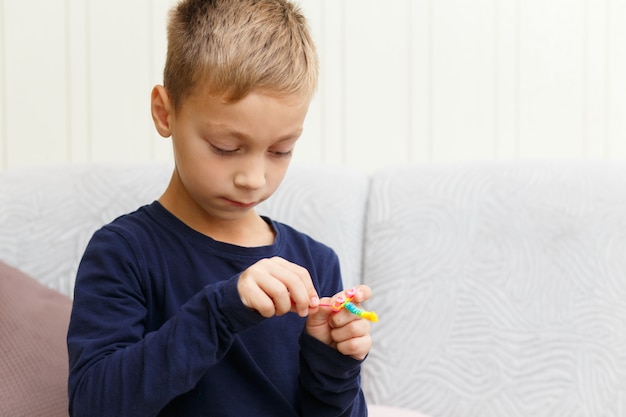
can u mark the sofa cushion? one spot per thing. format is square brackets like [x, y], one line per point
[387, 411]
[500, 287]
[49, 213]
[328, 203]
[34, 365]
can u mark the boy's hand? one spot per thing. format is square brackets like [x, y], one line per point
[344, 331]
[275, 286]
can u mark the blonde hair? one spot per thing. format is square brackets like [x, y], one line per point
[234, 47]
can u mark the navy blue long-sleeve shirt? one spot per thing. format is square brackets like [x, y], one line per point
[158, 328]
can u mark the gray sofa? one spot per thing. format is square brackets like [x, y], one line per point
[500, 286]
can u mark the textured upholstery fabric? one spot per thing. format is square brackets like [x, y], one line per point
[48, 214]
[33, 365]
[328, 204]
[501, 289]
[385, 411]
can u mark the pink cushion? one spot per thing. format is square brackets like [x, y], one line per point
[385, 411]
[33, 365]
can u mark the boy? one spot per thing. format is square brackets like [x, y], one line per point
[195, 305]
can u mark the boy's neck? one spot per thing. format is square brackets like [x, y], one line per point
[257, 233]
[249, 230]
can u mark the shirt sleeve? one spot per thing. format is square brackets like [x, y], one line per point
[116, 369]
[330, 381]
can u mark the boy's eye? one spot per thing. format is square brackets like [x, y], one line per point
[227, 152]
[282, 154]
[221, 151]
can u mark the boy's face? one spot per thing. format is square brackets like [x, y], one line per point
[229, 156]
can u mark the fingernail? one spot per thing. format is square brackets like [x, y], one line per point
[315, 301]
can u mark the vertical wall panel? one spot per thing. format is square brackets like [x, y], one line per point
[420, 81]
[616, 84]
[309, 147]
[377, 50]
[160, 148]
[324, 136]
[400, 81]
[35, 82]
[120, 80]
[596, 28]
[463, 74]
[79, 106]
[3, 133]
[551, 71]
[506, 79]
[332, 42]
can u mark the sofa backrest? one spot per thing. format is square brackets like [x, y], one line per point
[500, 287]
[329, 204]
[48, 214]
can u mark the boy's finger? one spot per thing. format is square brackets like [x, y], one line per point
[356, 294]
[362, 293]
[273, 281]
[302, 290]
[322, 315]
[254, 297]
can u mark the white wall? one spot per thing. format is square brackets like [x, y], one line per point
[401, 80]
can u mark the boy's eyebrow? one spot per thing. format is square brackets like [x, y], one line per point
[223, 129]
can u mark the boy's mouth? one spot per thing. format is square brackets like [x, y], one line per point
[240, 204]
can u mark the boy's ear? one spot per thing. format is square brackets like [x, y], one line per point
[162, 111]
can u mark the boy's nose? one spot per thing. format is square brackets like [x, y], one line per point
[251, 174]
